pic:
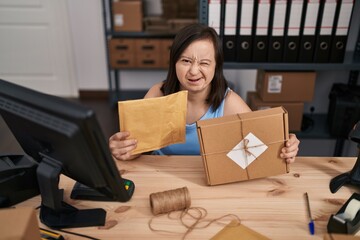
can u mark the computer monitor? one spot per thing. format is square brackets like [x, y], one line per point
[63, 137]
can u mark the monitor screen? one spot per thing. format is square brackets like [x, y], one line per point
[63, 137]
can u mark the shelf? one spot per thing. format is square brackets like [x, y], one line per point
[315, 126]
[293, 66]
[139, 34]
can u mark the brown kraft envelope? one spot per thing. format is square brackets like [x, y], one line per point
[221, 138]
[154, 122]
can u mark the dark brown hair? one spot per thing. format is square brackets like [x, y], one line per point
[182, 40]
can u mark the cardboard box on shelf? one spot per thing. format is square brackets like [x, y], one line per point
[148, 60]
[144, 45]
[178, 23]
[243, 146]
[165, 47]
[139, 53]
[156, 24]
[295, 109]
[122, 60]
[127, 16]
[122, 53]
[285, 86]
[148, 53]
[180, 9]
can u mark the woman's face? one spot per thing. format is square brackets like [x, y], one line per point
[195, 68]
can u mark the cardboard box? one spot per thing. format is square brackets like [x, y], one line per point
[139, 53]
[156, 24]
[122, 45]
[19, 223]
[226, 159]
[180, 9]
[127, 16]
[285, 86]
[165, 47]
[147, 53]
[122, 53]
[295, 109]
[148, 60]
[144, 45]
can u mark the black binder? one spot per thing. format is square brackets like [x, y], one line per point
[277, 27]
[292, 30]
[324, 33]
[308, 30]
[342, 23]
[230, 28]
[261, 28]
[244, 37]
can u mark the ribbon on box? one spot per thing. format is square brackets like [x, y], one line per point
[247, 150]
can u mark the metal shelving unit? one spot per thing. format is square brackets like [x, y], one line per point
[115, 91]
[351, 63]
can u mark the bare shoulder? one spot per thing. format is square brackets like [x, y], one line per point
[234, 104]
[155, 91]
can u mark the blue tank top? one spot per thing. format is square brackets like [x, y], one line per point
[191, 146]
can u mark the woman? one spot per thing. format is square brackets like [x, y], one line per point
[196, 65]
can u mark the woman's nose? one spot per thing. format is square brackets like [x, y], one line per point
[194, 68]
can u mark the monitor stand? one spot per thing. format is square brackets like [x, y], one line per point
[83, 192]
[352, 177]
[54, 212]
[17, 179]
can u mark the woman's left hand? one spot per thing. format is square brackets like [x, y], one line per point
[291, 149]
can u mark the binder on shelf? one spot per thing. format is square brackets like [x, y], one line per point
[342, 23]
[261, 27]
[292, 31]
[277, 25]
[230, 26]
[244, 38]
[214, 15]
[324, 34]
[307, 30]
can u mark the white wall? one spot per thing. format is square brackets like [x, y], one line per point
[86, 24]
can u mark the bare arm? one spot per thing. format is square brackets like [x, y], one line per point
[155, 91]
[235, 104]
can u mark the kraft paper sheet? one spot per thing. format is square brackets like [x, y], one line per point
[154, 122]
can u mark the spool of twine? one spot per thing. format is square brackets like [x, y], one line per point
[171, 200]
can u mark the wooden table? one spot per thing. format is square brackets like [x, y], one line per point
[273, 206]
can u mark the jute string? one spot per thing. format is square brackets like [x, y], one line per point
[176, 205]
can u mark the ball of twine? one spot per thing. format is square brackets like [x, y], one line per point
[171, 200]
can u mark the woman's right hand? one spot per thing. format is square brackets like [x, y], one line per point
[121, 147]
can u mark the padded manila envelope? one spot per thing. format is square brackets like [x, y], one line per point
[243, 146]
[236, 230]
[154, 122]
